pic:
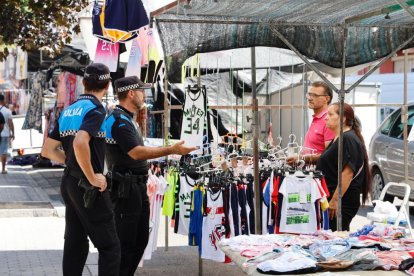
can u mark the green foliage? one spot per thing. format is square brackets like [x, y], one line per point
[33, 24]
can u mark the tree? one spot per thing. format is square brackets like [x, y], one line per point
[33, 24]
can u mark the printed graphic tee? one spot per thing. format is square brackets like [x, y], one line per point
[298, 213]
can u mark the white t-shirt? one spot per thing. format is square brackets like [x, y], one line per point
[298, 213]
[7, 115]
[288, 262]
[213, 228]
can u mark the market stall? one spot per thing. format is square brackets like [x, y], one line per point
[340, 34]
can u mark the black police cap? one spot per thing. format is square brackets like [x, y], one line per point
[130, 83]
[97, 71]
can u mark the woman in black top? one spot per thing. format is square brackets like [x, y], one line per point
[356, 177]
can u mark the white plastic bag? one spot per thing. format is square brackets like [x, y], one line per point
[385, 207]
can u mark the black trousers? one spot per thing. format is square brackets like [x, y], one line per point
[132, 223]
[97, 222]
[350, 206]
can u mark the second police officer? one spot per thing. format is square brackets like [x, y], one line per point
[127, 162]
[80, 131]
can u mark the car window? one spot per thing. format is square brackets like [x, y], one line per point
[385, 128]
[397, 130]
[410, 120]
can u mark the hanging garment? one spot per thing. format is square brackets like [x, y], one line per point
[266, 205]
[250, 202]
[134, 61]
[196, 217]
[194, 118]
[23, 101]
[182, 221]
[10, 67]
[97, 29]
[54, 116]
[21, 66]
[33, 119]
[213, 227]
[234, 205]
[244, 222]
[70, 81]
[157, 190]
[123, 18]
[143, 44]
[169, 200]
[108, 54]
[79, 87]
[298, 214]
[61, 90]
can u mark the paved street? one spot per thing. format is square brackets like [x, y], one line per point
[32, 228]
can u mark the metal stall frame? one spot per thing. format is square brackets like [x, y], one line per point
[341, 91]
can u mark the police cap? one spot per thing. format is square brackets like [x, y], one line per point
[97, 71]
[130, 83]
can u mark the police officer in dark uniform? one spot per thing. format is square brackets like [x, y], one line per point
[81, 132]
[126, 158]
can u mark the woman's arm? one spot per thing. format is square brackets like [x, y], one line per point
[347, 175]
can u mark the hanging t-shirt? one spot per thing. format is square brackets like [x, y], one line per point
[213, 227]
[108, 54]
[21, 64]
[155, 199]
[184, 203]
[169, 199]
[134, 61]
[194, 118]
[298, 214]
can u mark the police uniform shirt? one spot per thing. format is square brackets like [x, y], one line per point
[122, 135]
[86, 114]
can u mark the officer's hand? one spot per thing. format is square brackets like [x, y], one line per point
[291, 160]
[99, 180]
[178, 148]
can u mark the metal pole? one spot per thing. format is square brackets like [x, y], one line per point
[165, 136]
[256, 146]
[406, 7]
[404, 117]
[304, 116]
[313, 67]
[200, 260]
[237, 99]
[384, 59]
[181, 19]
[341, 96]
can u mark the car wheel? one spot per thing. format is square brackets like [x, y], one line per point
[377, 186]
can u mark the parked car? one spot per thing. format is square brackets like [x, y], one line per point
[386, 154]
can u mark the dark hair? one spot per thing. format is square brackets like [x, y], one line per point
[1, 98]
[328, 90]
[121, 96]
[355, 124]
[95, 85]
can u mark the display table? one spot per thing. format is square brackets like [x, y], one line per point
[239, 260]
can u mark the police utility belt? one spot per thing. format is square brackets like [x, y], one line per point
[121, 182]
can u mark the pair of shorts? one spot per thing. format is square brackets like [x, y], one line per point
[4, 145]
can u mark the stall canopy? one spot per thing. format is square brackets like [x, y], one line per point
[316, 28]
